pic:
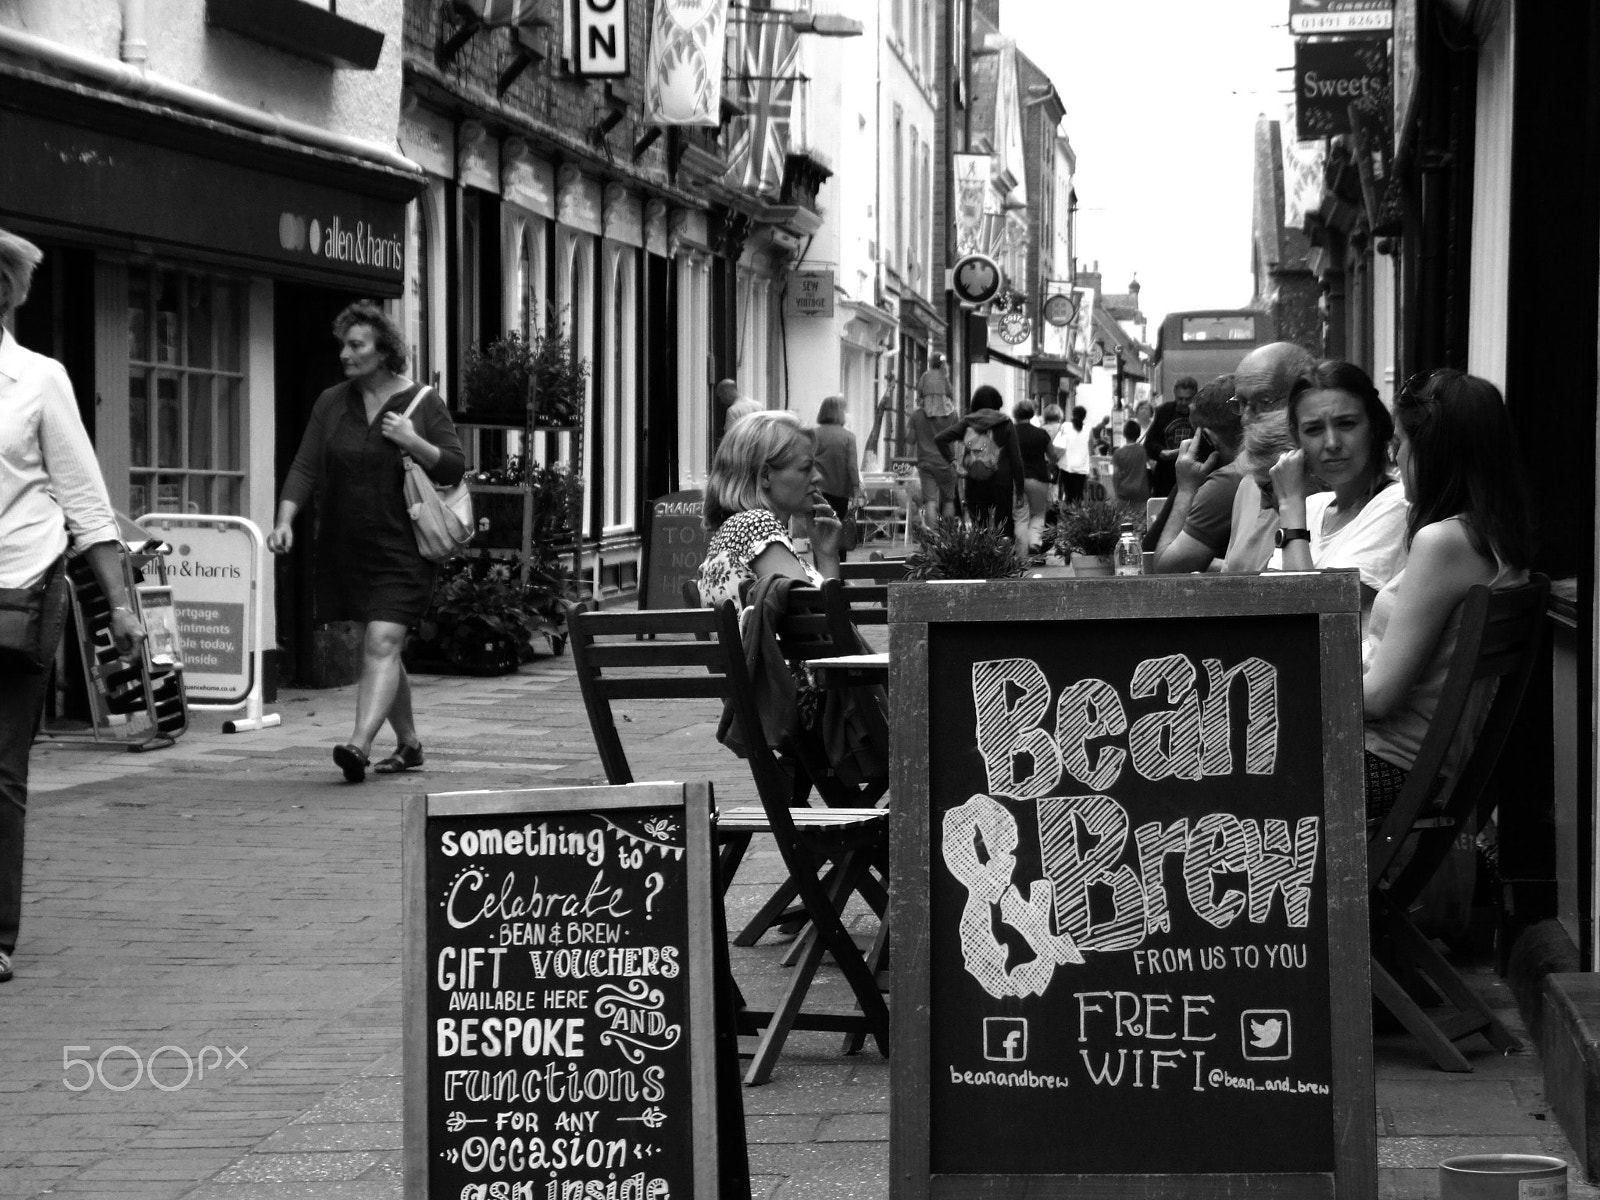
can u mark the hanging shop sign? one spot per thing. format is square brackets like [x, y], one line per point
[1330, 77]
[1340, 16]
[971, 187]
[1016, 327]
[976, 279]
[1059, 310]
[683, 77]
[502, 12]
[599, 38]
[809, 294]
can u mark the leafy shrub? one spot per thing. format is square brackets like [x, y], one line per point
[954, 549]
[1093, 526]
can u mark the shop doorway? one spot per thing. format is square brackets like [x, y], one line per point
[305, 363]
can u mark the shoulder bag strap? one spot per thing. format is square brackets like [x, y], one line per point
[422, 393]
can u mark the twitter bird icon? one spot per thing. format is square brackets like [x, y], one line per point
[1265, 1034]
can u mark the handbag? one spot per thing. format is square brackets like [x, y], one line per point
[441, 517]
[22, 627]
[850, 527]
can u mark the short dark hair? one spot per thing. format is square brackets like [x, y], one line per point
[386, 334]
[1464, 462]
[986, 396]
[1131, 432]
[1213, 409]
[1185, 381]
[1337, 375]
[727, 392]
[1023, 410]
[831, 410]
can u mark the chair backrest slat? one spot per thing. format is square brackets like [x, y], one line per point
[613, 662]
[1496, 646]
[881, 570]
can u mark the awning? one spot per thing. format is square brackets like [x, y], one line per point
[89, 166]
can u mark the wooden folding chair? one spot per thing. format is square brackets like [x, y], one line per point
[1495, 648]
[828, 853]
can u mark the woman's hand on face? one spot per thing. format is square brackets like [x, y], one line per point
[281, 539]
[400, 431]
[1289, 476]
[825, 529]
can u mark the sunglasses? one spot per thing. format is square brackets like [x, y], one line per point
[1411, 389]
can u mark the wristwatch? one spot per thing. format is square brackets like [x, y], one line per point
[1284, 536]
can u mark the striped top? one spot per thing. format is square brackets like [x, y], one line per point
[50, 483]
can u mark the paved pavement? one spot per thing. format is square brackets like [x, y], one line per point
[232, 892]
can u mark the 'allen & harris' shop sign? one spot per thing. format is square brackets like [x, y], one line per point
[1129, 908]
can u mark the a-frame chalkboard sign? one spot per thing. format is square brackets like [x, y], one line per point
[559, 1005]
[1129, 890]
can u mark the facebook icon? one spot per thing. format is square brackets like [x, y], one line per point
[1005, 1039]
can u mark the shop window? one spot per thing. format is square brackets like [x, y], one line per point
[185, 393]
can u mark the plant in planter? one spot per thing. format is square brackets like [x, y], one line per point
[557, 502]
[483, 621]
[1089, 529]
[956, 550]
[515, 380]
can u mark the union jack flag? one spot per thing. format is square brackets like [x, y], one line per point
[765, 69]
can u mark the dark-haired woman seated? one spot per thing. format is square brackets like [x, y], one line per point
[1470, 524]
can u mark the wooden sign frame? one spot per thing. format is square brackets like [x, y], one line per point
[1331, 602]
[649, 550]
[694, 803]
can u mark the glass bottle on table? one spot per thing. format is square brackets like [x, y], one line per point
[1129, 555]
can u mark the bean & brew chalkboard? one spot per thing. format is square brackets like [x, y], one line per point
[673, 549]
[559, 1018]
[1129, 904]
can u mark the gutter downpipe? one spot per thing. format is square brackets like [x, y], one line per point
[127, 78]
[135, 50]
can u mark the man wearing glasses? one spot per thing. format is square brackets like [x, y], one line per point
[1261, 384]
[1169, 429]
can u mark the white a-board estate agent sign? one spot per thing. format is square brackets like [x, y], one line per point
[214, 567]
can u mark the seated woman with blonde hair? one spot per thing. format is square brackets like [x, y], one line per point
[761, 479]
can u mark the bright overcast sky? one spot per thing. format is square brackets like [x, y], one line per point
[1161, 99]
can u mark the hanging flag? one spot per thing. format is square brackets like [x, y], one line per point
[683, 78]
[766, 66]
[502, 12]
[1302, 173]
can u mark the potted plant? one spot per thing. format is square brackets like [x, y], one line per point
[483, 621]
[536, 381]
[1088, 531]
[954, 549]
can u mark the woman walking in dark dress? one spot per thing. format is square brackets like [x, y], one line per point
[367, 565]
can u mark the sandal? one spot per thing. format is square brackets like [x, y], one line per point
[351, 761]
[404, 758]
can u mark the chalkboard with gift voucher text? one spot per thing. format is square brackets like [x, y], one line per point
[559, 1016]
[1130, 916]
[673, 549]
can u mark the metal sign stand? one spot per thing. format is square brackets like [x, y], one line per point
[171, 528]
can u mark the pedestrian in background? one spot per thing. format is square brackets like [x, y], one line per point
[838, 476]
[733, 405]
[1130, 467]
[368, 567]
[989, 460]
[936, 474]
[1038, 458]
[1169, 428]
[1074, 459]
[1261, 384]
[50, 488]
[934, 392]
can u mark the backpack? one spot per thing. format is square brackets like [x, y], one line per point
[980, 454]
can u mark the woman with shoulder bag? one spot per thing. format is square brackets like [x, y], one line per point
[368, 567]
[50, 486]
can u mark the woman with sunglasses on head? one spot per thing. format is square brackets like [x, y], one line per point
[1341, 433]
[1470, 523]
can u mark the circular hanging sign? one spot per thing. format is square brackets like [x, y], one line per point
[1059, 310]
[976, 279]
[1016, 327]
[1097, 354]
